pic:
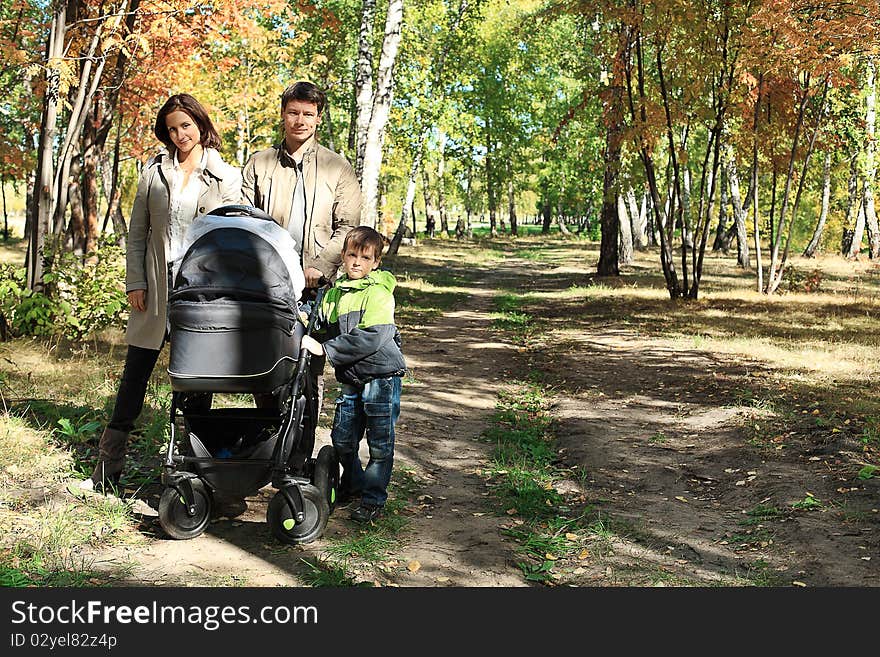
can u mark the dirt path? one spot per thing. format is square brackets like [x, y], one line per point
[449, 531]
[686, 483]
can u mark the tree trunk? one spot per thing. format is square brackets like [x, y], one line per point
[870, 163]
[739, 214]
[638, 224]
[364, 82]
[774, 282]
[379, 115]
[91, 70]
[851, 246]
[43, 196]
[511, 208]
[441, 197]
[810, 251]
[625, 247]
[612, 112]
[404, 211]
[77, 217]
[721, 228]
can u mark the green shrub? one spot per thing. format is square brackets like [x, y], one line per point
[80, 297]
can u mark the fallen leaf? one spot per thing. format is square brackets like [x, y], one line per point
[550, 556]
[442, 579]
[584, 554]
[413, 566]
[511, 511]
[680, 498]
[571, 537]
[797, 583]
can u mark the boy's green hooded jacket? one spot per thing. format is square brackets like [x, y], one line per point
[362, 341]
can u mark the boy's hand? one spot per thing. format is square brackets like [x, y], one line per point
[312, 345]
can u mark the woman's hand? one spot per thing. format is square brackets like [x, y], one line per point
[312, 345]
[138, 299]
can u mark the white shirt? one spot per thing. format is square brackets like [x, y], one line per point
[184, 204]
[297, 219]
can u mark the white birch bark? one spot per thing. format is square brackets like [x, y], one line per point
[46, 176]
[379, 116]
[810, 251]
[625, 246]
[364, 82]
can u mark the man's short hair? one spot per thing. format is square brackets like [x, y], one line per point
[305, 91]
[361, 237]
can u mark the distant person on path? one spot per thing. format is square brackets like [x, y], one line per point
[186, 179]
[363, 345]
[313, 193]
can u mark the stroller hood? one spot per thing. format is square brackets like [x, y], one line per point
[238, 252]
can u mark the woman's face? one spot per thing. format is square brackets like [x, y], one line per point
[184, 132]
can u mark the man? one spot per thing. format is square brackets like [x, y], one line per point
[313, 193]
[308, 189]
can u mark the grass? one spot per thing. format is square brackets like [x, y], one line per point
[367, 548]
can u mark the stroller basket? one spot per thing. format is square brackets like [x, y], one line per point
[233, 447]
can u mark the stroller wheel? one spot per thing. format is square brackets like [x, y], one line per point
[279, 515]
[327, 474]
[173, 515]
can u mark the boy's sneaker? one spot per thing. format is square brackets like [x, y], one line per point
[366, 513]
[344, 497]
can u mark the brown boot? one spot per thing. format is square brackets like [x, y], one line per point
[111, 458]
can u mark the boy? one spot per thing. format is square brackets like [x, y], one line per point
[363, 345]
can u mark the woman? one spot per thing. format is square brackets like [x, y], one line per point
[184, 180]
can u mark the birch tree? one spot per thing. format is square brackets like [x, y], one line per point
[379, 112]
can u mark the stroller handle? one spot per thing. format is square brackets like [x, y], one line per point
[240, 211]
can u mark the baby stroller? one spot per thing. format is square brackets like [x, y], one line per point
[236, 327]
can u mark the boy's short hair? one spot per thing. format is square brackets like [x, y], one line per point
[306, 91]
[361, 237]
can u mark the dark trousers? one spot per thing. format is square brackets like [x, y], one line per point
[139, 365]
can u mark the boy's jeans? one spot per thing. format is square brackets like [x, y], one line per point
[374, 409]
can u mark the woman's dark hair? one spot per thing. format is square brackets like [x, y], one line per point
[188, 104]
[304, 91]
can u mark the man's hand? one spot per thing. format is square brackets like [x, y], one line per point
[313, 277]
[313, 346]
[138, 299]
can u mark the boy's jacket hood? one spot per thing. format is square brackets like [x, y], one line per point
[376, 277]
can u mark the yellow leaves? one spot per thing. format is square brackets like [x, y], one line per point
[681, 498]
[413, 566]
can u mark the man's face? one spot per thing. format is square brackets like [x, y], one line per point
[301, 119]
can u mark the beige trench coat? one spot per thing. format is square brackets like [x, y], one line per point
[146, 256]
[333, 198]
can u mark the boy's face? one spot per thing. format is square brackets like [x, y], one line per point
[359, 262]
